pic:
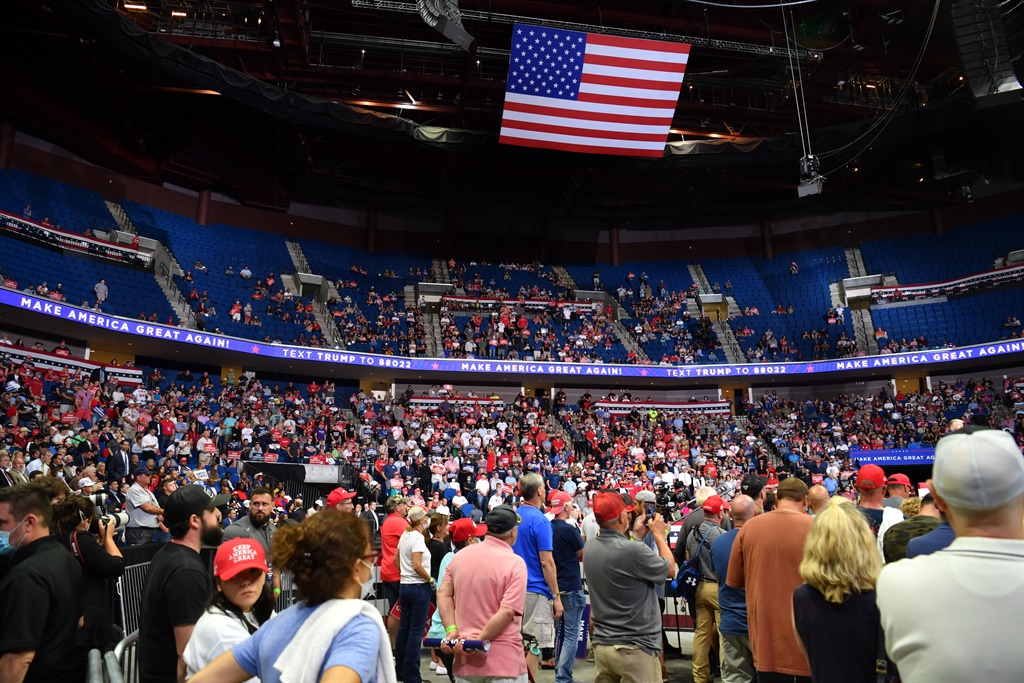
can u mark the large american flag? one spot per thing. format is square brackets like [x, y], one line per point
[586, 92]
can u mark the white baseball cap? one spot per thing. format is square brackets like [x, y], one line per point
[978, 470]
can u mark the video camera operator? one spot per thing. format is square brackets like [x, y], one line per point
[90, 539]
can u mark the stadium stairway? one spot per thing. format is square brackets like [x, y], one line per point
[730, 344]
[121, 218]
[323, 316]
[441, 269]
[631, 343]
[564, 275]
[855, 262]
[697, 273]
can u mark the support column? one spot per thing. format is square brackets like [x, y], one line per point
[371, 228]
[6, 145]
[613, 245]
[203, 208]
[767, 250]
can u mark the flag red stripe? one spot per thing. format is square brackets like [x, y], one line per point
[570, 129]
[637, 43]
[622, 101]
[622, 62]
[617, 82]
[587, 115]
[587, 149]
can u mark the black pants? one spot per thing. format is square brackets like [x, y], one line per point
[449, 663]
[137, 535]
[775, 677]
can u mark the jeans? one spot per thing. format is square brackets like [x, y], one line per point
[567, 634]
[414, 600]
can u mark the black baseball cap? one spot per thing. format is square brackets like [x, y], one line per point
[752, 485]
[502, 519]
[190, 500]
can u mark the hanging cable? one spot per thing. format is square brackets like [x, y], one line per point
[884, 120]
[803, 99]
[796, 95]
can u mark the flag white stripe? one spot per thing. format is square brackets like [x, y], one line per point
[641, 93]
[580, 139]
[638, 74]
[568, 105]
[644, 55]
[570, 122]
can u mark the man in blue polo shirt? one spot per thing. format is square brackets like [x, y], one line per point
[567, 544]
[533, 544]
[737, 656]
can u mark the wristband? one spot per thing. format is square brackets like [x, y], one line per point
[277, 592]
[451, 628]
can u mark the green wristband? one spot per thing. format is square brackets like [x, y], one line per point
[451, 628]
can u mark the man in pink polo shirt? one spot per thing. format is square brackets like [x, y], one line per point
[482, 598]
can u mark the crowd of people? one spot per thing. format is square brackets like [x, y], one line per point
[435, 472]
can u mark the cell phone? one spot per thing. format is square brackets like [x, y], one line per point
[651, 510]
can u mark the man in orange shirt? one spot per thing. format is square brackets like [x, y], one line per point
[764, 562]
[390, 531]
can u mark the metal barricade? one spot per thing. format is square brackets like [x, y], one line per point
[94, 674]
[287, 597]
[129, 593]
[121, 665]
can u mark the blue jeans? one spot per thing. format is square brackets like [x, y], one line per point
[567, 634]
[414, 601]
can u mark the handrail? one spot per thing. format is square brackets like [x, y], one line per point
[994, 277]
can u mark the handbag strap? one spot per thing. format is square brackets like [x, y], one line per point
[881, 659]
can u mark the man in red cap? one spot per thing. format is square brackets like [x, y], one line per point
[871, 487]
[341, 499]
[698, 544]
[897, 490]
[622, 576]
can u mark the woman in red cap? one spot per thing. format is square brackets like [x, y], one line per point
[241, 602]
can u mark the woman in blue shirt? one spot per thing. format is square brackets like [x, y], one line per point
[331, 635]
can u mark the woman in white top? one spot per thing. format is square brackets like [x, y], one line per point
[413, 561]
[241, 602]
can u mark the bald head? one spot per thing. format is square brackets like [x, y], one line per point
[817, 496]
[742, 509]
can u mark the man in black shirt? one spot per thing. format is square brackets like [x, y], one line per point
[39, 594]
[178, 584]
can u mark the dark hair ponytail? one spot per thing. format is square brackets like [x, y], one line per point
[261, 610]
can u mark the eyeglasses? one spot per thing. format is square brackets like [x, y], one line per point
[372, 557]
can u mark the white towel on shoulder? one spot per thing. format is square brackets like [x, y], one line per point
[302, 658]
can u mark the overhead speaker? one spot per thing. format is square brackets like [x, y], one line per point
[985, 53]
[444, 16]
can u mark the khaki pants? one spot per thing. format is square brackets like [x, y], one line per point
[625, 664]
[737, 660]
[705, 633]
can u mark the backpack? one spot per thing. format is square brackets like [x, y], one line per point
[685, 583]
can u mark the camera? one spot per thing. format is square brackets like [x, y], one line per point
[98, 499]
[120, 520]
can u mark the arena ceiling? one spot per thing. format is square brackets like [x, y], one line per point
[274, 101]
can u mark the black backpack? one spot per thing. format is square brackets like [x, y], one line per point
[685, 583]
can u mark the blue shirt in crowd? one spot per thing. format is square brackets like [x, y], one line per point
[566, 543]
[732, 601]
[534, 537]
[355, 646]
[931, 542]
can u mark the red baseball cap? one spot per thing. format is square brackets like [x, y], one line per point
[608, 506]
[236, 556]
[714, 505]
[870, 477]
[462, 530]
[898, 479]
[557, 501]
[338, 495]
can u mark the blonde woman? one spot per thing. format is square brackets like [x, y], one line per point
[834, 614]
